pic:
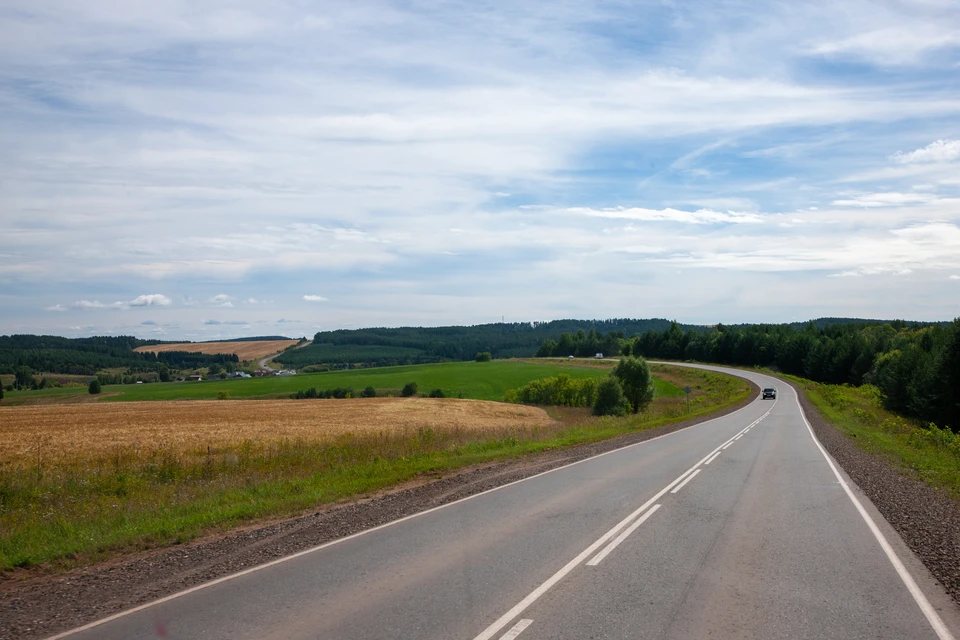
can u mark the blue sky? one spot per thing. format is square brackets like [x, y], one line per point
[201, 170]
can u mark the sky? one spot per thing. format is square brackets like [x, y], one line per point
[203, 169]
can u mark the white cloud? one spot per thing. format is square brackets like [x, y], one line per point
[701, 216]
[885, 199]
[221, 300]
[939, 151]
[955, 277]
[55, 307]
[150, 300]
[96, 304]
[312, 298]
[146, 300]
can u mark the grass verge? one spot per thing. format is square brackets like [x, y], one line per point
[920, 449]
[76, 513]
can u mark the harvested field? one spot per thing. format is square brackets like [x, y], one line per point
[70, 432]
[251, 350]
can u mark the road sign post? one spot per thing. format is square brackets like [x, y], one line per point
[687, 391]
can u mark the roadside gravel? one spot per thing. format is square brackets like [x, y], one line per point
[927, 519]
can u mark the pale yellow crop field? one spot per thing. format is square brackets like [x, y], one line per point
[70, 432]
[250, 350]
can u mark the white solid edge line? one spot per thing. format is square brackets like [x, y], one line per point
[211, 583]
[629, 530]
[684, 483]
[712, 458]
[517, 629]
[938, 626]
[532, 597]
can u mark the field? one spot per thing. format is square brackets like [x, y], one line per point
[82, 482]
[476, 380]
[245, 350]
[76, 431]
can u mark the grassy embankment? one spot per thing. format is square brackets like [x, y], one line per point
[69, 511]
[928, 453]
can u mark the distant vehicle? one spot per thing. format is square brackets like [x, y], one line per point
[570, 357]
[599, 356]
[769, 392]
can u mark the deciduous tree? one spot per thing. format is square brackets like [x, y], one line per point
[634, 376]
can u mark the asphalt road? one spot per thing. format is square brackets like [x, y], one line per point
[735, 528]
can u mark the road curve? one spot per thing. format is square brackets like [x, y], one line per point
[739, 527]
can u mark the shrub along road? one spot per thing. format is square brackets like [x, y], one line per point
[736, 527]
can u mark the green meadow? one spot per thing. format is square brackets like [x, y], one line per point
[476, 380]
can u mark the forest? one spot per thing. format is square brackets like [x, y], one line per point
[87, 356]
[419, 345]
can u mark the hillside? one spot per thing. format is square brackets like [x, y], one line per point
[419, 345]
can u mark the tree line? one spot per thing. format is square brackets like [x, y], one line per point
[432, 344]
[582, 344]
[87, 356]
[915, 366]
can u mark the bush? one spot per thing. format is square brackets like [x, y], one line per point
[610, 399]
[368, 392]
[223, 395]
[437, 393]
[1, 392]
[409, 389]
[560, 391]
[94, 387]
[483, 356]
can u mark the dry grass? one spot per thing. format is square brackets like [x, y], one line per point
[71, 432]
[251, 350]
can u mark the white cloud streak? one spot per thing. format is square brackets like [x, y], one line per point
[701, 216]
[938, 151]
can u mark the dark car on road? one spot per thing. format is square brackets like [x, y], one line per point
[769, 392]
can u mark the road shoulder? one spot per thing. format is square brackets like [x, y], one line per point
[927, 520]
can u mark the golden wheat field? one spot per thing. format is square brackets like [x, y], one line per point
[91, 430]
[251, 350]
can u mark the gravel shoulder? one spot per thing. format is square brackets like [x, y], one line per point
[927, 519]
[34, 605]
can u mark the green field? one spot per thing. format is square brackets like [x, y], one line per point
[476, 380]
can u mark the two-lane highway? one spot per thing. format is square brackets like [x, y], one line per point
[738, 527]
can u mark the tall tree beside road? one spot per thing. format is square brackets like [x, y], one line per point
[634, 376]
